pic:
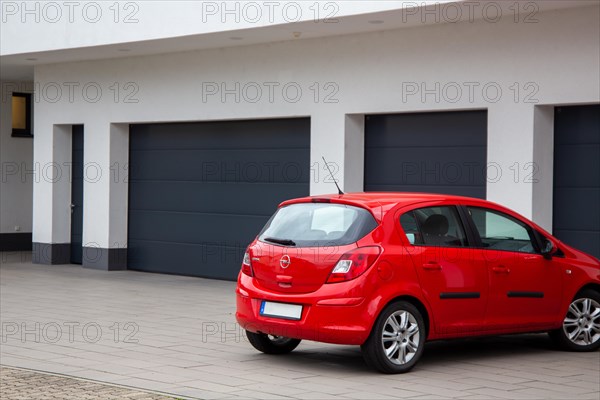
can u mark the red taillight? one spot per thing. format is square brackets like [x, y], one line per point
[354, 263]
[247, 265]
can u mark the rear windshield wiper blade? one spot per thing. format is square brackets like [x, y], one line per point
[285, 242]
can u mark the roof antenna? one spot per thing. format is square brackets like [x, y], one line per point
[331, 173]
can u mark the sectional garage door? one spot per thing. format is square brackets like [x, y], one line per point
[200, 192]
[577, 177]
[442, 152]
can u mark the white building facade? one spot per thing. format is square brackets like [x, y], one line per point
[165, 133]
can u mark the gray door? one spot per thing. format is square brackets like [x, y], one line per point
[200, 192]
[77, 194]
[577, 177]
[442, 152]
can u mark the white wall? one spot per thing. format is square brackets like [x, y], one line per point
[66, 25]
[16, 166]
[553, 61]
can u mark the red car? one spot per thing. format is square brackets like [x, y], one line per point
[388, 271]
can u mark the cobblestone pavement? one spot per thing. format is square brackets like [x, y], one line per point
[17, 384]
[177, 335]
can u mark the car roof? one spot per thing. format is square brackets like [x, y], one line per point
[380, 202]
[378, 199]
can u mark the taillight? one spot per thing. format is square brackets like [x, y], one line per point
[354, 263]
[247, 265]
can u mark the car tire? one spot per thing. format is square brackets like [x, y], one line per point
[270, 344]
[397, 339]
[580, 330]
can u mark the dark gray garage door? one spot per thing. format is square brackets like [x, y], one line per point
[443, 152]
[200, 192]
[577, 177]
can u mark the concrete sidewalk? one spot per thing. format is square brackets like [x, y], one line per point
[178, 335]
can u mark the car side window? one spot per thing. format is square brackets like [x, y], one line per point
[499, 231]
[434, 226]
[411, 229]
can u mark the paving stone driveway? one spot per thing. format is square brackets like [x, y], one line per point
[25, 384]
[178, 335]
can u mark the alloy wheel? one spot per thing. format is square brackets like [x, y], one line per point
[401, 337]
[582, 323]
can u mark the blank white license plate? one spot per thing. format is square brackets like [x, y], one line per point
[281, 310]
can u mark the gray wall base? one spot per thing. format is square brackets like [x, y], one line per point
[51, 253]
[20, 241]
[104, 259]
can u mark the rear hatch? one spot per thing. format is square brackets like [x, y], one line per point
[302, 242]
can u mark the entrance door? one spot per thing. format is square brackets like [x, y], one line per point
[77, 195]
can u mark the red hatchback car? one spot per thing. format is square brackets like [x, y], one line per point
[388, 271]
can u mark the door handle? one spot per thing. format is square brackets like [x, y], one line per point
[284, 279]
[501, 270]
[432, 266]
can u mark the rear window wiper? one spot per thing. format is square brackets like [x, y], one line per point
[284, 242]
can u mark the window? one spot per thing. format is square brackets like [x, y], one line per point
[318, 225]
[21, 115]
[332, 220]
[502, 232]
[411, 229]
[434, 226]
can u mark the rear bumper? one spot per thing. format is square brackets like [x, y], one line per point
[326, 317]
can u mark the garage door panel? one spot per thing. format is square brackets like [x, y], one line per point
[586, 241]
[471, 191]
[257, 134]
[249, 198]
[209, 186]
[257, 165]
[576, 209]
[442, 128]
[182, 227]
[579, 166]
[441, 152]
[577, 125]
[427, 166]
[209, 260]
[576, 215]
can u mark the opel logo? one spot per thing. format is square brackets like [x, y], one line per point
[285, 261]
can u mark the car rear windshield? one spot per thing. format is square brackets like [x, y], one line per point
[317, 225]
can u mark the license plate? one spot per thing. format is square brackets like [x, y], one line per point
[281, 310]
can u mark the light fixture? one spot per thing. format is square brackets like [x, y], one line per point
[124, 50]
[236, 38]
[31, 59]
[297, 34]
[376, 22]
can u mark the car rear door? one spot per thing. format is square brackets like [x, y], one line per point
[453, 280]
[291, 270]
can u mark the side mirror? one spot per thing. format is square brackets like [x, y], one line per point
[547, 249]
